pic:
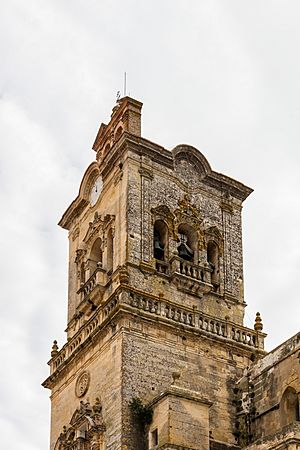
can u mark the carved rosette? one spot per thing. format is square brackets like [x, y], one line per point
[82, 384]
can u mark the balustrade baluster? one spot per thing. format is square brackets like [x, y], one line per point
[140, 302]
[201, 324]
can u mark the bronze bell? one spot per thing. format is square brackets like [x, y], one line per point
[185, 252]
[159, 248]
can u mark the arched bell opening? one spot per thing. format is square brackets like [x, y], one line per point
[188, 243]
[160, 240]
[213, 261]
[289, 407]
[95, 259]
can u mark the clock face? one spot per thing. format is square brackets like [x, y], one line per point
[96, 190]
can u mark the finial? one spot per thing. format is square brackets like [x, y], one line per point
[258, 325]
[54, 350]
[97, 408]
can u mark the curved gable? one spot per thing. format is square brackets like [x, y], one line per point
[192, 156]
[82, 199]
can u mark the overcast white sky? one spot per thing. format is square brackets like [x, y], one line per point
[220, 75]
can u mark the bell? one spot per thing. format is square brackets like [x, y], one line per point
[185, 252]
[159, 251]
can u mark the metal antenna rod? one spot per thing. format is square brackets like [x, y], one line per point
[125, 82]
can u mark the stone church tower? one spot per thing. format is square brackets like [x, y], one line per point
[155, 334]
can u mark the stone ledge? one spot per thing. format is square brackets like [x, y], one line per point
[177, 391]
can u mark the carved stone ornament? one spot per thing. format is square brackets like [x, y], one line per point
[98, 226]
[85, 430]
[82, 384]
[80, 254]
[94, 227]
[188, 213]
[75, 234]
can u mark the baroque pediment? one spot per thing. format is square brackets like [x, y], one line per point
[86, 423]
[188, 213]
[97, 226]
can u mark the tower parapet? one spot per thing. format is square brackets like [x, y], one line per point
[125, 117]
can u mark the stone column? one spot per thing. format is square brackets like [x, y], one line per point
[227, 256]
[146, 232]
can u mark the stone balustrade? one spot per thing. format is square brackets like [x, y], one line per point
[85, 331]
[96, 279]
[162, 267]
[160, 307]
[189, 269]
[197, 320]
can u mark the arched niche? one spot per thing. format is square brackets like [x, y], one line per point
[289, 407]
[118, 133]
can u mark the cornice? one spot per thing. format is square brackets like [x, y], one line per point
[159, 154]
[143, 147]
[228, 185]
[157, 310]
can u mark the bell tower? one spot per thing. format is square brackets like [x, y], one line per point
[155, 334]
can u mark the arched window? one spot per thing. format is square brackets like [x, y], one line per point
[118, 133]
[96, 255]
[188, 243]
[289, 407]
[107, 148]
[213, 261]
[160, 240]
[110, 250]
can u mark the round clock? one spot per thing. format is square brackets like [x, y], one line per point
[96, 190]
